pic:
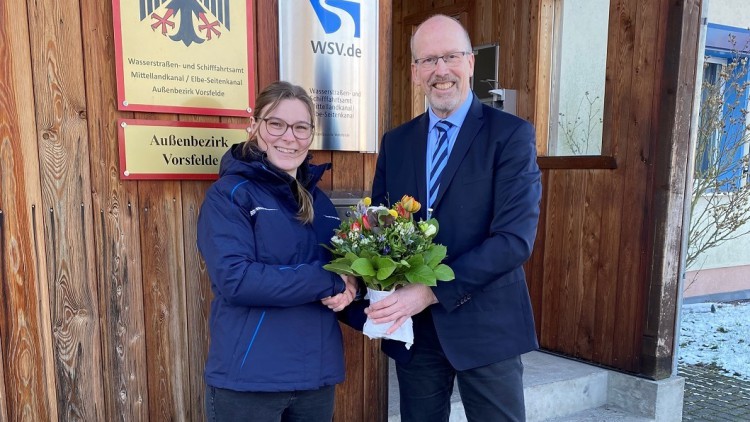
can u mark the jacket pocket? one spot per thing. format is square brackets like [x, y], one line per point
[501, 282]
[247, 338]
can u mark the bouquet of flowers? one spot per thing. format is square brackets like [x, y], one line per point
[387, 248]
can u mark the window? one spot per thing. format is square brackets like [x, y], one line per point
[711, 117]
[721, 151]
[578, 75]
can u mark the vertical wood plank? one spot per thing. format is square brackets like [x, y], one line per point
[3, 394]
[28, 376]
[571, 288]
[348, 171]
[506, 18]
[553, 255]
[164, 299]
[350, 395]
[198, 298]
[266, 41]
[370, 161]
[618, 73]
[590, 257]
[116, 211]
[633, 257]
[442, 3]
[608, 270]
[376, 381]
[57, 60]
[526, 43]
[481, 28]
[322, 157]
[400, 79]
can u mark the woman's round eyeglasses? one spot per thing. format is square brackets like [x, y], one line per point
[277, 127]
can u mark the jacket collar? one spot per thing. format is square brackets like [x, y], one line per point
[257, 167]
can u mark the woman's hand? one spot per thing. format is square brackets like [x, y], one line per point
[342, 300]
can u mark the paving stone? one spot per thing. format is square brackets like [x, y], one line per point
[713, 395]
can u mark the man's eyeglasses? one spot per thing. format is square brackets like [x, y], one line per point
[277, 127]
[450, 60]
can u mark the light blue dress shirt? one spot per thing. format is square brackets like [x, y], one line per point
[457, 119]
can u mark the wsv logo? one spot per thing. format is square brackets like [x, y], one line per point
[335, 14]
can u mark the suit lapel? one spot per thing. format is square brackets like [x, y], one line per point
[469, 129]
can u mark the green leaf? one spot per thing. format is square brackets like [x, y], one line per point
[435, 255]
[341, 261]
[416, 261]
[351, 257]
[422, 275]
[339, 268]
[386, 267]
[363, 266]
[387, 284]
[444, 273]
[370, 281]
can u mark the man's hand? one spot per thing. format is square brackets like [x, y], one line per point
[342, 300]
[400, 305]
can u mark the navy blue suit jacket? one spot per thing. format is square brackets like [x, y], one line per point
[488, 209]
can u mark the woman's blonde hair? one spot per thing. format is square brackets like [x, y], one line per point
[267, 101]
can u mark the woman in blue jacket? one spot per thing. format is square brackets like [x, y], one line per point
[276, 350]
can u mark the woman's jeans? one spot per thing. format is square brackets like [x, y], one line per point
[289, 406]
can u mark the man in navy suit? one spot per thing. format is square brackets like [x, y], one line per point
[474, 169]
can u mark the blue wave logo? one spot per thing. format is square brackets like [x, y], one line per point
[333, 14]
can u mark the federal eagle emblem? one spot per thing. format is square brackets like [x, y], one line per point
[189, 21]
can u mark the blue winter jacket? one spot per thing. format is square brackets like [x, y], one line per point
[269, 331]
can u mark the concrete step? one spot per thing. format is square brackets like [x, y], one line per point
[561, 389]
[555, 386]
[602, 414]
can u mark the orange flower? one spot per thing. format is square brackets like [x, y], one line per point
[410, 204]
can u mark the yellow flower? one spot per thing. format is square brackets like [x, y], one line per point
[367, 201]
[410, 204]
[393, 213]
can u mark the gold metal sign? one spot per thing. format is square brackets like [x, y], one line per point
[192, 56]
[156, 149]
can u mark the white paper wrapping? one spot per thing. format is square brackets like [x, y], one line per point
[404, 333]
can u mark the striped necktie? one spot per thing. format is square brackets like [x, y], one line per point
[439, 158]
